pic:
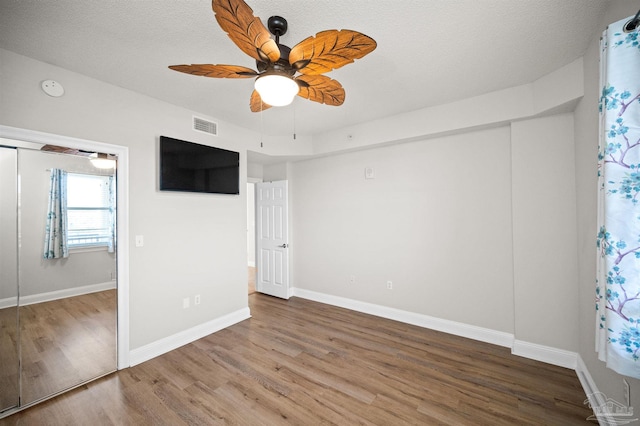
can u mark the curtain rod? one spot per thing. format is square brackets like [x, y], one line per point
[633, 23]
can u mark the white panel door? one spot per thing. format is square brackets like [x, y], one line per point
[272, 244]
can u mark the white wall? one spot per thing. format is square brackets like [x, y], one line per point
[194, 243]
[436, 221]
[254, 171]
[586, 136]
[544, 232]
[555, 92]
[273, 172]
[476, 228]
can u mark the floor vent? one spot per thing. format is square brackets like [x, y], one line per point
[205, 126]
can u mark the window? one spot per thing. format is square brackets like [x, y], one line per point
[90, 211]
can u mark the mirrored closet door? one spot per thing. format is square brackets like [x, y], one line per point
[9, 361]
[58, 273]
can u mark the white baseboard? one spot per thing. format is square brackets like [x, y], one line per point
[546, 354]
[8, 302]
[550, 355]
[596, 398]
[252, 264]
[587, 382]
[68, 292]
[452, 327]
[182, 338]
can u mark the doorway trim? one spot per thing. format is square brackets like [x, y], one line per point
[122, 189]
[252, 181]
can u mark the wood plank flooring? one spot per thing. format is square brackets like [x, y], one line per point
[65, 342]
[9, 367]
[305, 363]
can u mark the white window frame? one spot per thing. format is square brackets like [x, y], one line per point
[100, 241]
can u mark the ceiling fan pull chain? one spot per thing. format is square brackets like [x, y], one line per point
[261, 125]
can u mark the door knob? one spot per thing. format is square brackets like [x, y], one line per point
[285, 245]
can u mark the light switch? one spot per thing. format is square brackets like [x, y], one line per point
[139, 241]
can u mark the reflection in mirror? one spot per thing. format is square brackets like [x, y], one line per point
[67, 303]
[8, 279]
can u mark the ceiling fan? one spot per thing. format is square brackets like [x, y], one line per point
[283, 72]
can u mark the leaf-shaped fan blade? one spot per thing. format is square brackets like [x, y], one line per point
[256, 102]
[320, 88]
[329, 50]
[245, 30]
[216, 71]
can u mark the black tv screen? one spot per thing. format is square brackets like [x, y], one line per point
[191, 167]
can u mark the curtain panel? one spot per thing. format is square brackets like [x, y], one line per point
[55, 234]
[618, 239]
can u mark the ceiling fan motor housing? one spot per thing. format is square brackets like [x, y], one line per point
[277, 26]
[281, 66]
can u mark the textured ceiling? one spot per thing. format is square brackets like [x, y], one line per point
[429, 52]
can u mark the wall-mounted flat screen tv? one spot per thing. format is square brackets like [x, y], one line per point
[191, 167]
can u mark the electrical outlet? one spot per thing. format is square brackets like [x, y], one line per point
[185, 302]
[389, 285]
[196, 299]
[627, 392]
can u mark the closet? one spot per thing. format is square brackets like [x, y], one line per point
[57, 310]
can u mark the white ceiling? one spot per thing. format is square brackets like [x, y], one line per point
[429, 52]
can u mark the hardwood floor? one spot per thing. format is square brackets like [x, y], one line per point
[61, 343]
[301, 362]
[9, 368]
[65, 342]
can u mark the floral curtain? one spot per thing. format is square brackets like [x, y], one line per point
[55, 234]
[618, 262]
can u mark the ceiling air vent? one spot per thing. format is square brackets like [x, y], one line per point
[205, 126]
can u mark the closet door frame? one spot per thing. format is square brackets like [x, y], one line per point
[122, 191]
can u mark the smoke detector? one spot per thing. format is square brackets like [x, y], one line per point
[52, 88]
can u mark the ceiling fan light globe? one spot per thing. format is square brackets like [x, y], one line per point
[276, 90]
